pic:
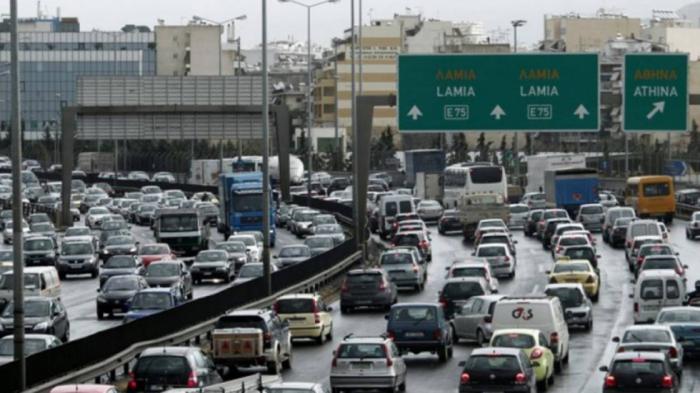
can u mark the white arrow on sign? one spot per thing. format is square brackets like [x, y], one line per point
[414, 113]
[581, 112]
[497, 112]
[658, 108]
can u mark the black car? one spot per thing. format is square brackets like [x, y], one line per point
[457, 291]
[497, 369]
[367, 288]
[119, 245]
[533, 218]
[119, 265]
[170, 274]
[212, 264]
[449, 222]
[640, 371]
[549, 227]
[41, 315]
[162, 368]
[115, 295]
[338, 184]
[619, 231]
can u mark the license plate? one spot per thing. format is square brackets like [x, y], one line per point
[414, 334]
[207, 273]
[76, 266]
[651, 308]
[156, 387]
[361, 366]
[363, 302]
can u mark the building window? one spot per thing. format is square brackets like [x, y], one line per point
[81, 46]
[151, 45]
[49, 46]
[175, 55]
[99, 46]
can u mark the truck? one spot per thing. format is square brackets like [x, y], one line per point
[93, 162]
[241, 204]
[539, 164]
[207, 171]
[476, 207]
[425, 160]
[428, 186]
[184, 230]
[570, 188]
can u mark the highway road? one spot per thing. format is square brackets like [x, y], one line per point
[588, 351]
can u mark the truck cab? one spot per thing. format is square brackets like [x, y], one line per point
[184, 230]
[242, 204]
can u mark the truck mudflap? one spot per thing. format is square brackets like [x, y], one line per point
[234, 344]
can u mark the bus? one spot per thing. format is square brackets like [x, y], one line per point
[651, 197]
[473, 178]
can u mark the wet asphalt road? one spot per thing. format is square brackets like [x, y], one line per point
[588, 350]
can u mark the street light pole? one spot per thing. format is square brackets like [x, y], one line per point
[265, 157]
[516, 155]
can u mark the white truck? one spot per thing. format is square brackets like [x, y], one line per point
[207, 171]
[428, 186]
[541, 163]
[476, 207]
[93, 162]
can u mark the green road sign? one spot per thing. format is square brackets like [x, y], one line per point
[656, 92]
[507, 92]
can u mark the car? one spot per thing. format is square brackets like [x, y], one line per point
[564, 228]
[318, 244]
[685, 324]
[112, 228]
[251, 271]
[692, 228]
[334, 231]
[301, 222]
[170, 274]
[146, 213]
[308, 316]
[581, 252]
[630, 370]
[33, 343]
[652, 338]
[429, 210]
[578, 309]
[410, 226]
[367, 288]
[292, 255]
[655, 290]
[549, 214]
[119, 245]
[45, 315]
[576, 271]
[649, 250]
[282, 215]
[373, 363]
[477, 268]
[119, 265]
[550, 228]
[618, 231]
[153, 252]
[639, 228]
[607, 200]
[417, 239]
[498, 238]
[82, 233]
[160, 368]
[534, 200]
[240, 327]
[566, 241]
[457, 291]
[489, 223]
[8, 234]
[323, 219]
[236, 252]
[535, 346]
[253, 248]
[530, 225]
[39, 251]
[637, 243]
[95, 215]
[498, 256]
[472, 321]
[611, 215]
[518, 215]
[37, 218]
[212, 264]
[152, 300]
[420, 327]
[77, 257]
[116, 294]
[497, 369]
[449, 222]
[591, 215]
[43, 229]
[404, 267]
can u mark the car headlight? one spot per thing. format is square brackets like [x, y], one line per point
[41, 326]
[222, 268]
[194, 268]
[106, 251]
[101, 299]
[132, 249]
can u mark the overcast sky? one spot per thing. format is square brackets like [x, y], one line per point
[329, 20]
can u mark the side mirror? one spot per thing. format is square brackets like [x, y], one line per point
[386, 316]
[548, 272]
[274, 257]
[616, 339]
[598, 256]
[462, 363]
[603, 369]
[685, 266]
[329, 308]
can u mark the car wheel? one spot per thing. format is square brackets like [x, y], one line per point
[402, 386]
[480, 339]
[595, 297]
[589, 326]
[443, 354]
[287, 363]
[190, 295]
[94, 273]
[344, 310]
[66, 336]
[100, 315]
[557, 366]
[321, 339]
[335, 390]
[329, 335]
[62, 275]
[543, 385]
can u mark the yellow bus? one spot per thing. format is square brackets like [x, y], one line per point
[651, 197]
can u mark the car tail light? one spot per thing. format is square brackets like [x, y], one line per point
[423, 244]
[640, 259]
[390, 334]
[192, 381]
[415, 268]
[317, 317]
[610, 381]
[636, 307]
[267, 337]
[554, 338]
[437, 334]
[590, 280]
[680, 270]
[673, 352]
[276, 308]
[629, 244]
[507, 258]
[620, 350]
[389, 362]
[382, 286]
[334, 362]
[132, 381]
[520, 378]
[558, 249]
[667, 382]
[344, 288]
[464, 379]
[488, 319]
[536, 353]
[443, 301]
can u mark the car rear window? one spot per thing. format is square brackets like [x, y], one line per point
[397, 258]
[462, 290]
[469, 272]
[410, 239]
[651, 289]
[660, 263]
[517, 209]
[391, 209]
[646, 335]
[513, 340]
[634, 367]
[579, 253]
[413, 314]
[491, 252]
[364, 278]
[295, 306]
[567, 267]
[656, 189]
[361, 351]
[240, 321]
[492, 362]
[573, 241]
[569, 297]
[161, 365]
[591, 210]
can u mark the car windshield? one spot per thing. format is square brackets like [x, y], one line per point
[174, 223]
[413, 314]
[231, 246]
[319, 242]
[573, 241]
[518, 209]
[361, 351]
[293, 252]
[396, 258]
[211, 256]
[660, 263]
[492, 363]
[250, 270]
[163, 270]
[76, 249]
[32, 309]
[592, 210]
[566, 267]
[646, 335]
[151, 300]
[295, 306]
[491, 252]
[580, 253]
[120, 262]
[41, 227]
[513, 340]
[328, 229]
[678, 316]
[655, 250]
[636, 367]
[31, 346]
[569, 297]
[77, 231]
[247, 240]
[154, 250]
[119, 240]
[121, 283]
[500, 239]
[462, 290]
[38, 245]
[245, 203]
[97, 211]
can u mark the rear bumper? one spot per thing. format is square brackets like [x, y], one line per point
[370, 301]
[418, 346]
[363, 381]
[494, 388]
[306, 332]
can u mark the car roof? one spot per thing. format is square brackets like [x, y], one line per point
[572, 262]
[375, 340]
[155, 290]
[647, 237]
[531, 332]
[363, 271]
[565, 285]
[681, 308]
[466, 279]
[495, 234]
[299, 296]
[496, 350]
[657, 273]
[493, 245]
[639, 354]
[178, 351]
[469, 264]
[651, 327]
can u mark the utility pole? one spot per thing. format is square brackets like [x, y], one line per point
[516, 157]
[338, 147]
[266, 157]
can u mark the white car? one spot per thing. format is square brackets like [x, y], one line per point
[251, 246]
[518, 215]
[474, 269]
[499, 257]
[566, 241]
[95, 216]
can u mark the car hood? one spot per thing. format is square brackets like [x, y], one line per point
[73, 257]
[27, 320]
[117, 271]
[208, 264]
[163, 280]
[119, 295]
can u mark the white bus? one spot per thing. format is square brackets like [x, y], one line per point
[473, 178]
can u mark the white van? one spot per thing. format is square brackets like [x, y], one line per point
[641, 228]
[38, 281]
[389, 207]
[543, 313]
[654, 290]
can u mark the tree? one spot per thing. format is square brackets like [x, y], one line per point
[483, 148]
[459, 149]
[382, 148]
[528, 144]
[694, 143]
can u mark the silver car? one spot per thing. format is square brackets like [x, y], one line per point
[319, 244]
[429, 210]
[518, 215]
[591, 216]
[655, 338]
[578, 309]
[473, 320]
[499, 257]
[404, 268]
[333, 230]
[367, 363]
[292, 254]
[474, 269]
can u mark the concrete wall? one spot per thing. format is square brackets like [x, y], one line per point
[589, 34]
[204, 43]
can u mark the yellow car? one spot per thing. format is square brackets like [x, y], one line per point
[535, 345]
[576, 271]
[308, 316]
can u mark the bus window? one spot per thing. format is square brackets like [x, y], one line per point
[656, 189]
[486, 175]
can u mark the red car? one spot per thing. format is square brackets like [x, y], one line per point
[154, 252]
